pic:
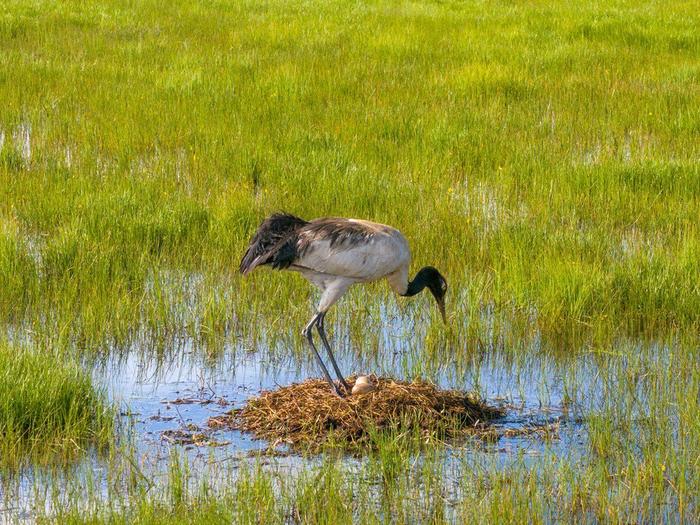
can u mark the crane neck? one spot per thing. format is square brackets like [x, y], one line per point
[429, 277]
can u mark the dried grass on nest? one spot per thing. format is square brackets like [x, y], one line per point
[308, 415]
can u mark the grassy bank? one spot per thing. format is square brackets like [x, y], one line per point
[49, 408]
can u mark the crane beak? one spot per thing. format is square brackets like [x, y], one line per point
[441, 307]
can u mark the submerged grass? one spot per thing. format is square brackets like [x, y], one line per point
[395, 485]
[633, 459]
[49, 408]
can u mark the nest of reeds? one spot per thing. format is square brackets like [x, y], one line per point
[308, 416]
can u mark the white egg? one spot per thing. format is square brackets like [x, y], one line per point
[363, 385]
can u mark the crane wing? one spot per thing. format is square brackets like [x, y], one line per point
[349, 248]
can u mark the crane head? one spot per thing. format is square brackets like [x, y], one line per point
[438, 287]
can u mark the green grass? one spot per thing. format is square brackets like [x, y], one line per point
[49, 408]
[546, 152]
[543, 155]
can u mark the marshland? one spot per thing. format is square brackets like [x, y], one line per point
[544, 156]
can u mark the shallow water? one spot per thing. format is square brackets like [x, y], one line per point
[159, 395]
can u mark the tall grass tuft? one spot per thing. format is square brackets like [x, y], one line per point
[49, 408]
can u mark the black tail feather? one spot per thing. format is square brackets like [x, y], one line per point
[273, 242]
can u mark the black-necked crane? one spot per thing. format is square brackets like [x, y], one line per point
[333, 254]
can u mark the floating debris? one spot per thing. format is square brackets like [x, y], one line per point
[542, 430]
[191, 435]
[192, 400]
[158, 417]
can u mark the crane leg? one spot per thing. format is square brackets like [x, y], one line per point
[309, 337]
[324, 339]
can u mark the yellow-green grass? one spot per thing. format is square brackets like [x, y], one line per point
[49, 408]
[544, 156]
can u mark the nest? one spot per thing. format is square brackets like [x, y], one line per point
[308, 416]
